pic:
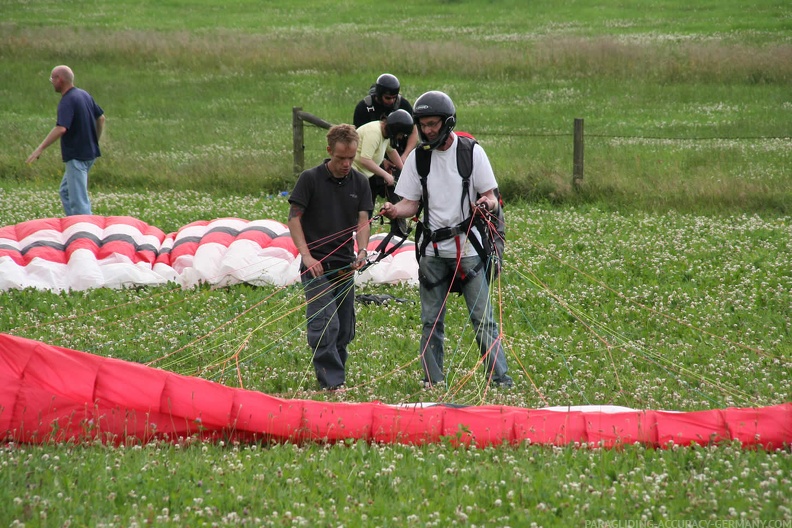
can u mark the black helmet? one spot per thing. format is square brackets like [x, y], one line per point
[386, 84]
[398, 122]
[435, 103]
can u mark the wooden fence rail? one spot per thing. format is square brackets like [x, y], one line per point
[298, 135]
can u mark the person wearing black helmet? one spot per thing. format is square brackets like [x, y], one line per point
[383, 98]
[377, 140]
[448, 258]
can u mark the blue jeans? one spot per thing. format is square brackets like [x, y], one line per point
[74, 187]
[439, 271]
[330, 312]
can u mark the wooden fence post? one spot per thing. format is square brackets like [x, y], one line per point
[298, 133]
[298, 140]
[577, 154]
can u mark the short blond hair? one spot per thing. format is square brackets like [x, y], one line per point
[342, 134]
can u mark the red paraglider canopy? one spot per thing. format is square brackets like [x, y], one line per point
[54, 394]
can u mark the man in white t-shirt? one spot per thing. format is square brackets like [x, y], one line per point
[449, 258]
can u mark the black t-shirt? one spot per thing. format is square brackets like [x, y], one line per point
[331, 212]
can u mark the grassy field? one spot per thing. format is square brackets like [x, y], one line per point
[664, 282]
[684, 107]
[598, 308]
[646, 310]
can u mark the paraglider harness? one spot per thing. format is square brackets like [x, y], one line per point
[400, 230]
[369, 100]
[491, 226]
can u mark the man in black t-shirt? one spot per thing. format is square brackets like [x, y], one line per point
[330, 204]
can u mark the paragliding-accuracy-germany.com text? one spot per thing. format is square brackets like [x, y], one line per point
[709, 523]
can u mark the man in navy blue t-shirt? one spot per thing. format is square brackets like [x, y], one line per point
[79, 127]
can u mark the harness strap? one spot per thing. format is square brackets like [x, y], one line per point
[382, 247]
[369, 100]
[444, 233]
[458, 271]
[459, 277]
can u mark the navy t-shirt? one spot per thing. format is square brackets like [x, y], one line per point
[77, 113]
[331, 212]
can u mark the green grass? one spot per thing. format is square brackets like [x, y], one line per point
[684, 107]
[597, 305]
[646, 310]
[664, 282]
[389, 486]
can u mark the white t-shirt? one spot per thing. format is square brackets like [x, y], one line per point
[444, 185]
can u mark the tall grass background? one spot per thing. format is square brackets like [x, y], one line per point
[683, 107]
[662, 282]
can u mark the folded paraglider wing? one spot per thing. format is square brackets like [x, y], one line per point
[89, 251]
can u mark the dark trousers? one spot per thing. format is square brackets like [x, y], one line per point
[330, 312]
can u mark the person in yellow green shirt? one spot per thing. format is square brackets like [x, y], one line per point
[378, 139]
